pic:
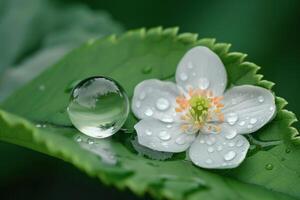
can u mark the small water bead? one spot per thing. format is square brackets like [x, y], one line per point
[210, 149]
[250, 126]
[164, 135]
[201, 141]
[229, 155]
[162, 104]
[232, 118]
[78, 138]
[180, 140]
[149, 112]
[208, 161]
[261, 99]
[272, 108]
[90, 141]
[169, 126]
[148, 132]
[253, 120]
[231, 134]
[98, 107]
[203, 83]
[190, 65]
[242, 123]
[219, 148]
[167, 119]
[269, 166]
[183, 76]
[38, 125]
[231, 144]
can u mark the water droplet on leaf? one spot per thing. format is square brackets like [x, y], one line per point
[162, 104]
[98, 107]
[269, 166]
[147, 70]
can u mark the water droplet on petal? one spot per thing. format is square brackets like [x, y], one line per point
[167, 119]
[272, 108]
[203, 83]
[210, 149]
[239, 143]
[142, 95]
[138, 104]
[219, 148]
[180, 140]
[148, 132]
[231, 144]
[90, 141]
[232, 118]
[190, 65]
[253, 120]
[269, 166]
[231, 134]
[169, 126]
[164, 135]
[233, 101]
[261, 99]
[208, 161]
[162, 104]
[250, 126]
[149, 112]
[98, 107]
[242, 123]
[183, 76]
[229, 155]
[287, 150]
[201, 141]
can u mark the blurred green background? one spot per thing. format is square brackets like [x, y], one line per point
[36, 33]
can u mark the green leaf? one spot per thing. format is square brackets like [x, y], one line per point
[270, 171]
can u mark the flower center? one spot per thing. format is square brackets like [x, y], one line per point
[200, 109]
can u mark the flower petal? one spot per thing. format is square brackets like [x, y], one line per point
[248, 108]
[219, 151]
[160, 136]
[155, 99]
[202, 68]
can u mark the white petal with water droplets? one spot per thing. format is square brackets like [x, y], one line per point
[209, 69]
[159, 136]
[155, 99]
[251, 109]
[223, 153]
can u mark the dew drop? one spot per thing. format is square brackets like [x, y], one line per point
[78, 138]
[202, 141]
[183, 76]
[231, 144]
[148, 132]
[239, 143]
[149, 112]
[242, 123]
[229, 155]
[210, 149]
[162, 104]
[269, 166]
[253, 120]
[203, 83]
[147, 70]
[90, 141]
[208, 161]
[169, 126]
[167, 119]
[142, 95]
[232, 118]
[98, 107]
[260, 99]
[163, 135]
[38, 125]
[231, 134]
[219, 148]
[190, 65]
[250, 126]
[272, 108]
[181, 140]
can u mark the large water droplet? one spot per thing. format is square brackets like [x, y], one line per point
[232, 118]
[231, 134]
[98, 107]
[183, 76]
[162, 104]
[149, 112]
[181, 140]
[261, 99]
[229, 155]
[253, 120]
[269, 166]
[164, 135]
[203, 83]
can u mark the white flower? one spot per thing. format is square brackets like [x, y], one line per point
[195, 113]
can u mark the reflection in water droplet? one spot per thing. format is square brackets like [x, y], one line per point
[253, 120]
[231, 134]
[98, 107]
[147, 70]
[232, 118]
[261, 99]
[183, 76]
[203, 83]
[164, 135]
[90, 141]
[162, 104]
[269, 166]
[149, 112]
[229, 155]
